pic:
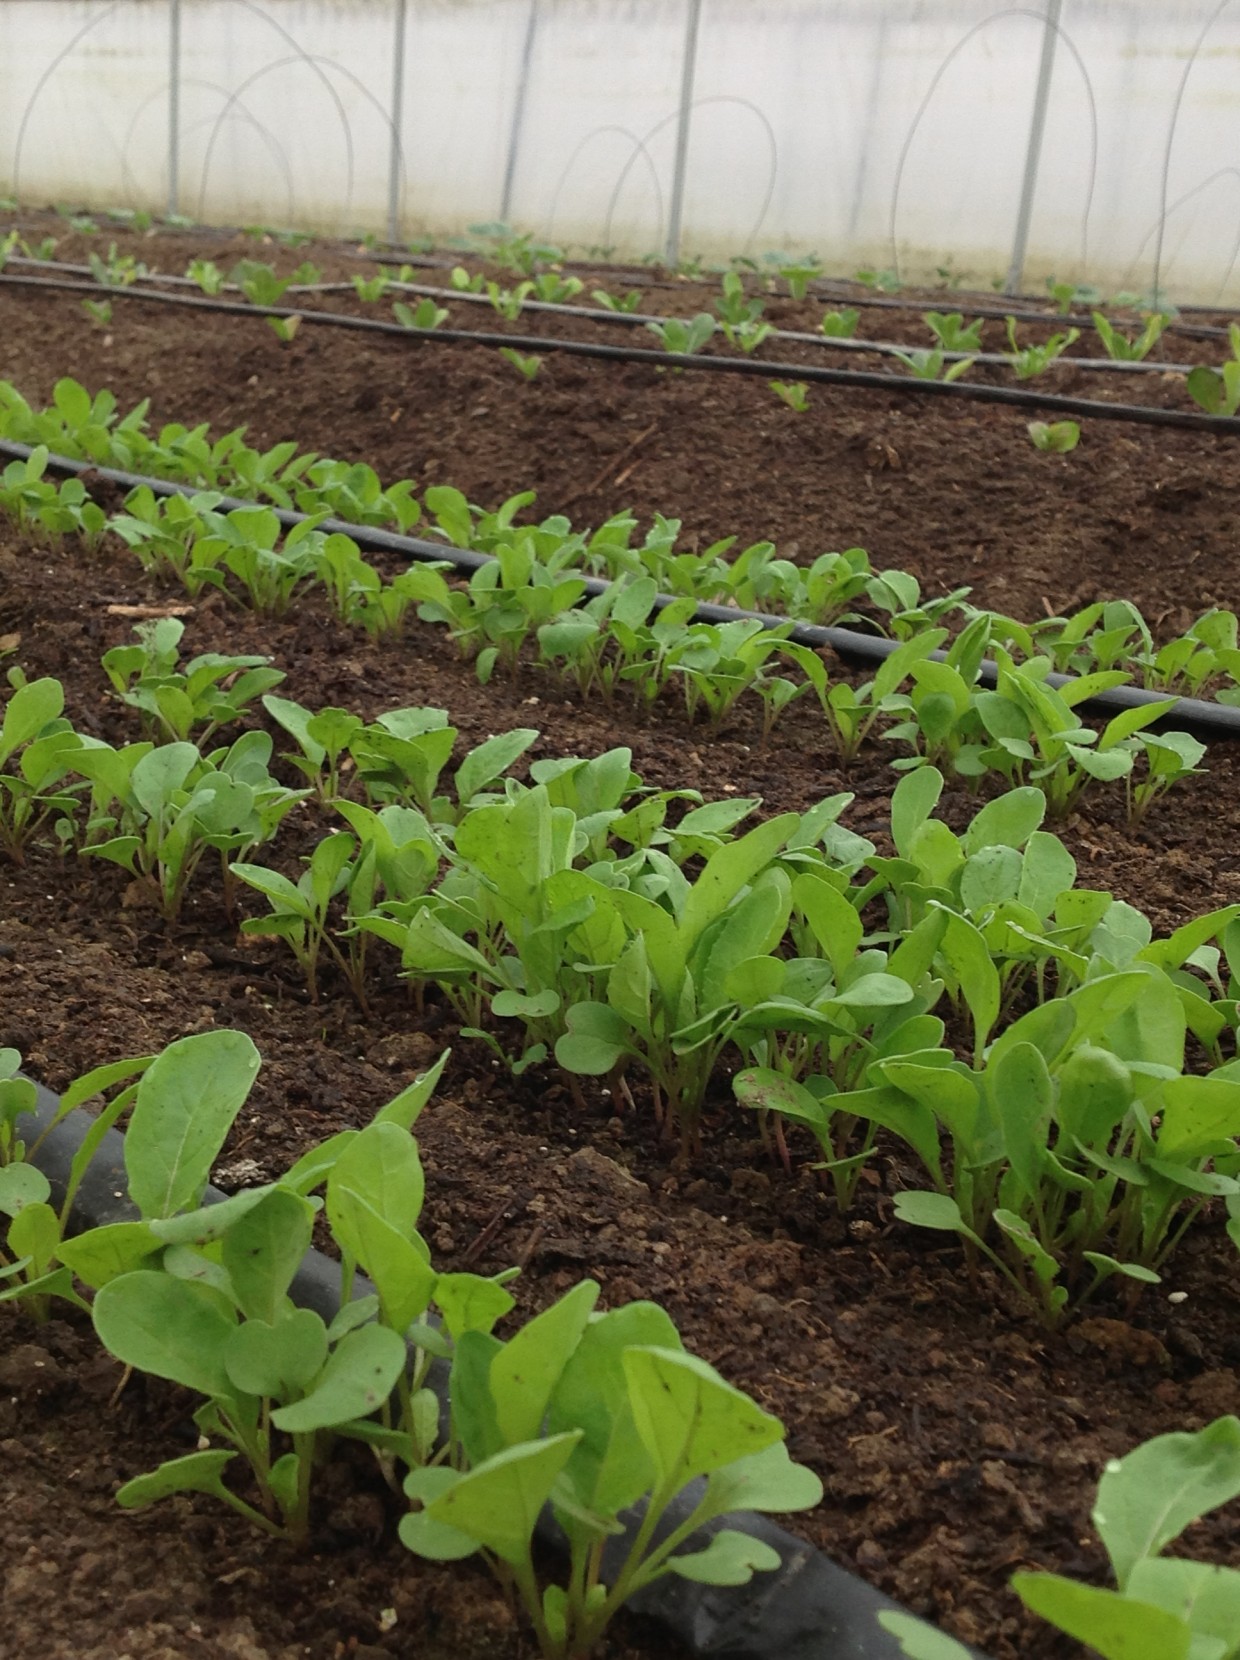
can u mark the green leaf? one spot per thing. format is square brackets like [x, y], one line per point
[264, 1249]
[731, 1558]
[920, 1641]
[610, 1468]
[359, 1376]
[381, 1167]
[1115, 1626]
[767, 1480]
[420, 1532]
[690, 1421]
[103, 1254]
[931, 1210]
[1147, 1499]
[22, 1185]
[498, 1502]
[185, 1106]
[277, 1359]
[528, 1367]
[174, 1328]
[199, 1472]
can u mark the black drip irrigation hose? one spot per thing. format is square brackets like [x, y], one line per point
[1016, 397]
[809, 1608]
[1206, 719]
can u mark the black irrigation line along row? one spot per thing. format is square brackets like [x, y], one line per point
[882, 348]
[1208, 720]
[763, 368]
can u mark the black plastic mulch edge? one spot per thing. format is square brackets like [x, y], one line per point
[974, 391]
[808, 1609]
[1205, 719]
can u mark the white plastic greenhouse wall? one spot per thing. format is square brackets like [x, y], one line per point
[1097, 139]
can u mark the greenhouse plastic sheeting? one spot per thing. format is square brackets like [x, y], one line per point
[1090, 138]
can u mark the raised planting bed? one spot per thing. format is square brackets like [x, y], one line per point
[959, 1438]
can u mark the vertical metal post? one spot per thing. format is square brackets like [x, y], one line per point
[397, 116]
[518, 112]
[174, 107]
[1033, 155]
[687, 72]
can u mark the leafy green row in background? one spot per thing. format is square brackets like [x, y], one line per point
[1201, 662]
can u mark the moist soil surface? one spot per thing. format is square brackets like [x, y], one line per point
[957, 1438]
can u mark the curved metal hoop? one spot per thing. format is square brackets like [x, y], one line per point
[44, 78]
[273, 145]
[1175, 117]
[639, 148]
[999, 17]
[667, 120]
[1160, 224]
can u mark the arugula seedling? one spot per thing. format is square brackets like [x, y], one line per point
[952, 333]
[681, 336]
[626, 303]
[1125, 348]
[284, 328]
[38, 751]
[1028, 361]
[588, 1412]
[1054, 437]
[554, 289]
[1217, 391]
[425, 315]
[370, 289]
[794, 393]
[211, 691]
[99, 311]
[527, 364]
[931, 365]
[840, 325]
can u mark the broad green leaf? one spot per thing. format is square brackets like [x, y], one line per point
[970, 961]
[264, 1249]
[767, 1480]
[103, 1254]
[185, 1106]
[208, 1222]
[277, 1359]
[528, 1367]
[727, 871]
[930, 1210]
[402, 1276]
[498, 1502]
[1197, 1112]
[1007, 821]
[919, 1641]
[174, 1328]
[199, 1472]
[1023, 1095]
[381, 1166]
[610, 1468]
[1206, 1596]
[833, 920]
[468, 1302]
[359, 1376]
[419, 1532]
[1117, 1627]
[912, 802]
[1147, 1499]
[22, 1185]
[690, 1421]
[731, 1558]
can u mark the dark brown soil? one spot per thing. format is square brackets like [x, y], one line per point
[958, 1440]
